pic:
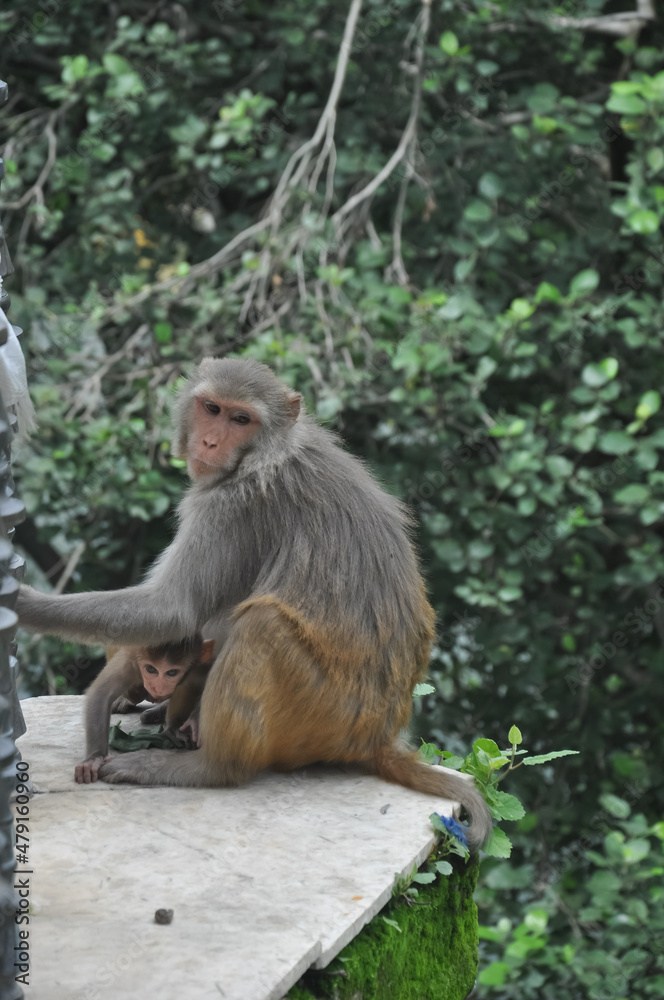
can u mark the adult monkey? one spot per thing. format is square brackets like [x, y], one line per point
[289, 552]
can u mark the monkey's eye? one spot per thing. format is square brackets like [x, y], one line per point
[150, 669]
[173, 673]
[211, 407]
[241, 418]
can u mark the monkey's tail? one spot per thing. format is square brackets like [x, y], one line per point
[402, 767]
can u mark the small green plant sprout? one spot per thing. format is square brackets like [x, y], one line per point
[405, 886]
[488, 765]
[452, 840]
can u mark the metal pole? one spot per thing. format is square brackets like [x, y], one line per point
[12, 724]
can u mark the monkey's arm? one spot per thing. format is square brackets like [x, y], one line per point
[190, 581]
[185, 698]
[118, 675]
[133, 616]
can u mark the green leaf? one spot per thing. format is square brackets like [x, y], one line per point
[521, 309]
[614, 805]
[495, 974]
[558, 466]
[294, 36]
[421, 689]
[505, 806]
[499, 845]
[490, 185]
[536, 920]
[514, 736]
[643, 222]
[452, 761]
[328, 406]
[635, 493]
[527, 506]
[600, 373]
[513, 429]
[443, 867]
[615, 443]
[74, 68]
[477, 211]
[449, 43]
[392, 923]
[583, 283]
[626, 104]
[424, 878]
[544, 757]
[544, 124]
[649, 403]
[655, 159]
[510, 593]
[429, 753]
[636, 850]
[547, 292]
[116, 65]
[488, 746]
[162, 332]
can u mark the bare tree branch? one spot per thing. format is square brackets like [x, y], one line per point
[37, 189]
[620, 25]
[407, 137]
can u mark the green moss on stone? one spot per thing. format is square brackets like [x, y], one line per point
[433, 958]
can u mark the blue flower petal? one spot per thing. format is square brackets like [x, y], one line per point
[455, 829]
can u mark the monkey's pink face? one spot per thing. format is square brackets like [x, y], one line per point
[220, 427]
[160, 677]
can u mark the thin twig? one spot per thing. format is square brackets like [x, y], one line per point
[92, 384]
[37, 189]
[72, 563]
[408, 134]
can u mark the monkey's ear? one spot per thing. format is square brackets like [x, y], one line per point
[293, 400]
[207, 650]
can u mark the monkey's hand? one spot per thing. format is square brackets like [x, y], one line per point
[190, 730]
[122, 705]
[154, 767]
[154, 716]
[88, 771]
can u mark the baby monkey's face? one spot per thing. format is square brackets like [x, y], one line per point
[160, 677]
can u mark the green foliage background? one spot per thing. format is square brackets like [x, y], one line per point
[509, 390]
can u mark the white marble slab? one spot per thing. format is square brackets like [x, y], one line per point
[265, 880]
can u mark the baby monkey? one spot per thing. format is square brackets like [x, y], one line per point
[174, 672]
